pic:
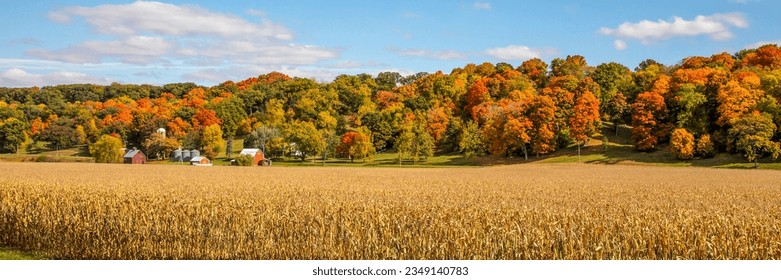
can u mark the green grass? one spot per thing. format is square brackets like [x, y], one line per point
[42, 152]
[11, 254]
[386, 159]
[619, 151]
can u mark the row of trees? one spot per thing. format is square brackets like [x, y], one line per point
[701, 106]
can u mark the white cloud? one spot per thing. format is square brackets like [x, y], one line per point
[168, 19]
[134, 49]
[716, 26]
[482, 6]
[16, 77]
[619, 45]
[513, 52]
[762, 43]
[258, 53]
[149, 32]
[440, 55]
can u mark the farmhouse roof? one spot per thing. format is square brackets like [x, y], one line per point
[132, 153]
[251, 152]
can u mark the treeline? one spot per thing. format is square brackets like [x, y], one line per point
[701, 106]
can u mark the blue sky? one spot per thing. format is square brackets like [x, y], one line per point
[49, 42]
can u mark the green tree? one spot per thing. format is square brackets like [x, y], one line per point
[416, 142]
[108, 149]
[330, 142]
[688, 103]
[307, 139]
[753, 134]
[260, 137]
[61, 134]
[12, 134]
[471, 140]
[159, 146]
[403, 143]
[231, 112]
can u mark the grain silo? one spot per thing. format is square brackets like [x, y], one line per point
[186, 156]
[177, 156]
[194, 154]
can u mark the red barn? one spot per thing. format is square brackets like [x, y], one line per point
[135, 156]
[200, 161]
[256, 154]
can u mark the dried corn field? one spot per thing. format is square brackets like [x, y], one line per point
[533, 211]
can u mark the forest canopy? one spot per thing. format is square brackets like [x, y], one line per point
[722, 103]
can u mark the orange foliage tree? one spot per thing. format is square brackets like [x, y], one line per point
[735, 101]
[542, 112]
[476, 95]
[585, 119]
[507, 129]
[204, 118]
[437, 123]
[648, 109]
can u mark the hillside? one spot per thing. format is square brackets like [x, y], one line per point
[699, 108]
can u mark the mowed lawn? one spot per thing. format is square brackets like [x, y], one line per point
[528, 211]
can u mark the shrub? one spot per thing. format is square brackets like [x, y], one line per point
[682, 144]
[705, 147]
[244, 160]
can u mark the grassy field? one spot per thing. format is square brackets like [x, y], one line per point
[530, 211]
[12, 254]
[620, 151]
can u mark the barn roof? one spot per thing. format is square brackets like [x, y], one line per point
[132, 153]
[198, 159]
[251, 152]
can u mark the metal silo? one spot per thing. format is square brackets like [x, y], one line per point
[186, 156]
[177, 155]
[195, 153]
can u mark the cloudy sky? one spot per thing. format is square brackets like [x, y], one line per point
[47, 42]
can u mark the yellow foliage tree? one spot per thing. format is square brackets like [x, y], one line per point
[682, 144]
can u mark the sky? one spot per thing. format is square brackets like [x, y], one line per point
[50, 42]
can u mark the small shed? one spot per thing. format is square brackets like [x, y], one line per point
[135, 156]
[200, 161]
[256, 154]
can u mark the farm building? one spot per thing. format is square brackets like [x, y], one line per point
[184, 155]
[200, 161]
[256, 154]
[134, 156]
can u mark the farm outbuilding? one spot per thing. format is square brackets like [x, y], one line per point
[135, 156]
[200, 161]
[256, 154]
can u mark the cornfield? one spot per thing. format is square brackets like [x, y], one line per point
[531, 211]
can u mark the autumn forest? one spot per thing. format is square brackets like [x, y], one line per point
[725, 103]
